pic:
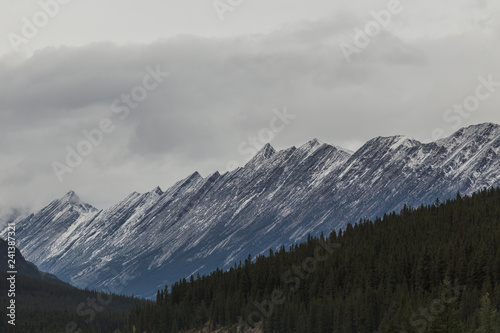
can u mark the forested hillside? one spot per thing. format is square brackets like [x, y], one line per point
[50, 306]
[431, 269]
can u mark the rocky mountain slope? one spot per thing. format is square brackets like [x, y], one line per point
[277, 198]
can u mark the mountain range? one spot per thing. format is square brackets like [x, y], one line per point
[278, 198]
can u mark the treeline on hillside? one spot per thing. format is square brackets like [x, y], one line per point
[431, 269]
[45, 307]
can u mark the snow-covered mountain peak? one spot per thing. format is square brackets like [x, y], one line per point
[213, 177]
[480, 130]
[71, 197]
[482, 127]
[73, 200]
[157, 190]
[388, 143]
[264, 154]
[403, 141]
[475, 133]
[132, 196]
[187, 184]
[310, 147]
[313, 144]
[193, 177]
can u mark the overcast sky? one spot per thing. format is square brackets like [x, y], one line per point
[227, 80]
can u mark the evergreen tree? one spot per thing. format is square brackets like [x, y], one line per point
[489, 317]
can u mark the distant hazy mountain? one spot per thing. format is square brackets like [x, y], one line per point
[151, 239]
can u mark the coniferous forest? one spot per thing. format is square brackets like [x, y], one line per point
[46, 307]
[431, 269]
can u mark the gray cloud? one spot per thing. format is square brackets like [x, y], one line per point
[220, 91]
